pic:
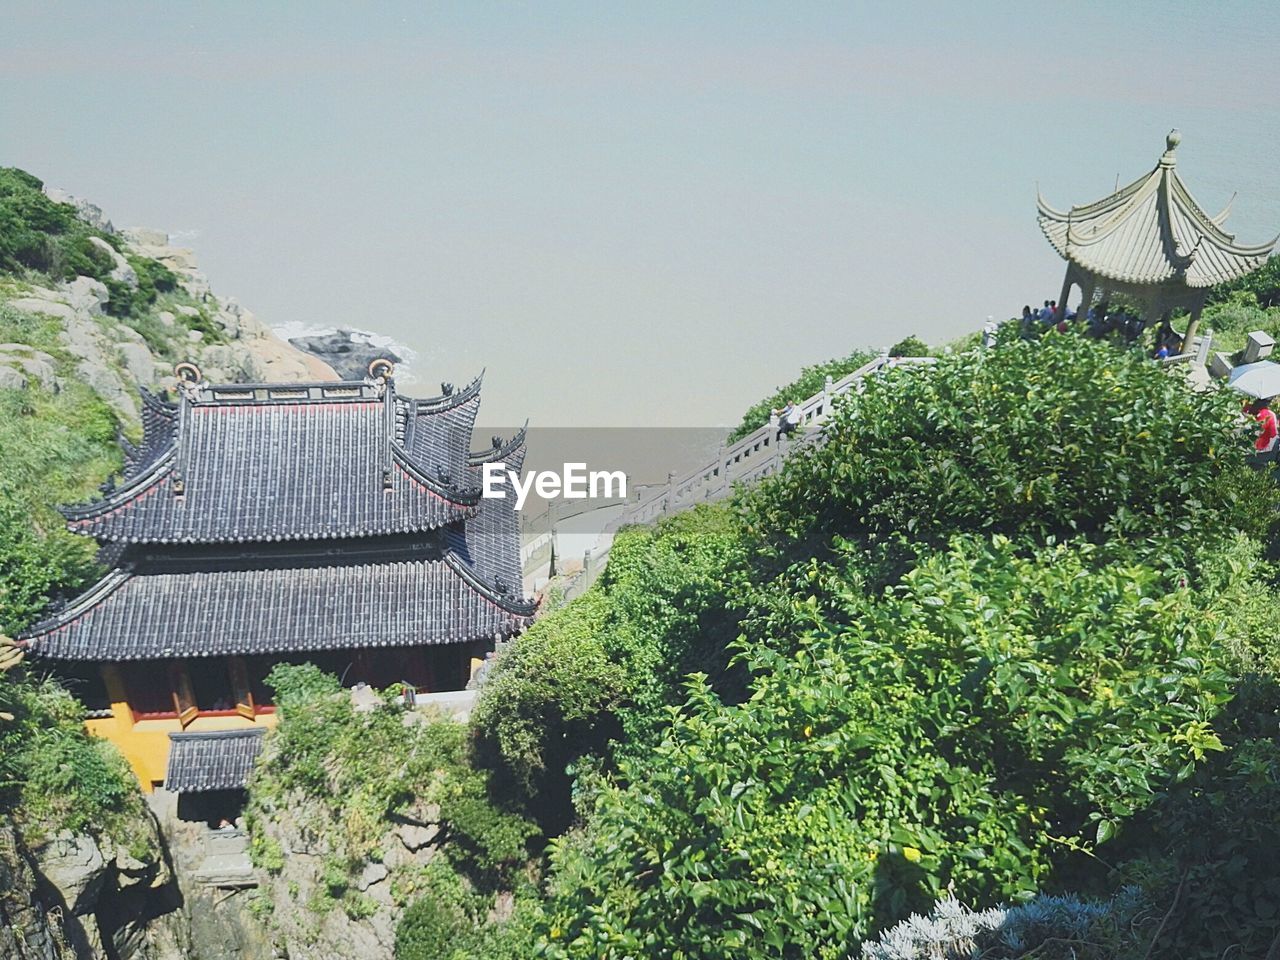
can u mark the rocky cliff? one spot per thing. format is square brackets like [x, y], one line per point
[113, 350]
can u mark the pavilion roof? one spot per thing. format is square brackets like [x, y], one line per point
[264, 462]
[283, 604]
[1151, 231]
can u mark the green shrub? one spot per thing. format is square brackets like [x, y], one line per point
[969, 731]
[1053, 439]
[54, 776]
[604, 668]
[354, 771]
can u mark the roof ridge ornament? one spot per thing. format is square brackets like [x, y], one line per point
[1171, 144]
[381, 369]
[190, 380]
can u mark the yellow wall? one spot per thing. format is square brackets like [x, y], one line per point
[145, 743]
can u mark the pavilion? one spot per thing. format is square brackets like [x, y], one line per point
[1150, 241]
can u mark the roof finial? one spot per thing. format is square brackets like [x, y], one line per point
[1172, 140]
[381, 369]
[188, 372]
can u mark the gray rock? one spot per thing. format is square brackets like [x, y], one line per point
[165, 317]
[371, 874]
[90, 213]
[87, 294]
[36, 365]
[145, 236]
[39, 305]
[187, 311]
[415, 837]
[107, 384]
[138, 361]
[121, 270]
[11, 379]
[195, 336]
[74, 864]
[347, 351]
[82, 338]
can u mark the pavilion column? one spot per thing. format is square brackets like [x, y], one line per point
[1066, 292]
[1086, 297]
[1189, 341]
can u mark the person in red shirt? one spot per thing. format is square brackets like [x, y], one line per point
[1266, 418]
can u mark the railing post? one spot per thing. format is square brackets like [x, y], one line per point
[1206, 344]
[721, 469]
[670, 503]
[826, 396]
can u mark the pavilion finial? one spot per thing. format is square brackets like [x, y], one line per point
[1172, 140]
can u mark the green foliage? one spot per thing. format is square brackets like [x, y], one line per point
[910, 346]
[451, 922]
[606, 666]
[1263, 286]
[810, 381]
[1234, 318]
[966, 731]
[352, 772]
[54, 776]
[37, 234]
[1053, 439]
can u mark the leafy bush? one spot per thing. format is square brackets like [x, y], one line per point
[605, 667]
[910, 346]
[1058, 438]
[452, 923]
[970, 731]
[810, 381]
[1263, 285]
[57, 777]
[40, 235]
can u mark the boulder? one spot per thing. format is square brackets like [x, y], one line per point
[107, 384]
[167, 318]
[416, 836]
[33, 363]
[39, 305]
[11, 379]
[74, 864]
[122, 270]
[87, 294]
[138, 361]
[145, 236]
[90, 213]
[371, 874]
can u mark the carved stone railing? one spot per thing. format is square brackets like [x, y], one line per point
[757, 455]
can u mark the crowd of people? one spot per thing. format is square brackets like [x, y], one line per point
[1100, 321]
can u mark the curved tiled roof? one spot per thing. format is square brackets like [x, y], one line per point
[213, 760]
[1151, 231]
[490, 543]
[165, 613]
[285, 462]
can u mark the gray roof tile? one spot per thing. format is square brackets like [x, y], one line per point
[222, 760]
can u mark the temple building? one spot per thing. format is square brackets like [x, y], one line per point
[1150, 241]
[337, 523]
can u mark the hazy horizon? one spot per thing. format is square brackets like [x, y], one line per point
[646, 215]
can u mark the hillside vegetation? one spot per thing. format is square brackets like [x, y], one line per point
[1001, 637]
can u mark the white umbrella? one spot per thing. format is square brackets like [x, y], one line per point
[1261, 379]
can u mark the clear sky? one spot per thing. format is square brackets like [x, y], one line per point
[634, 214]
